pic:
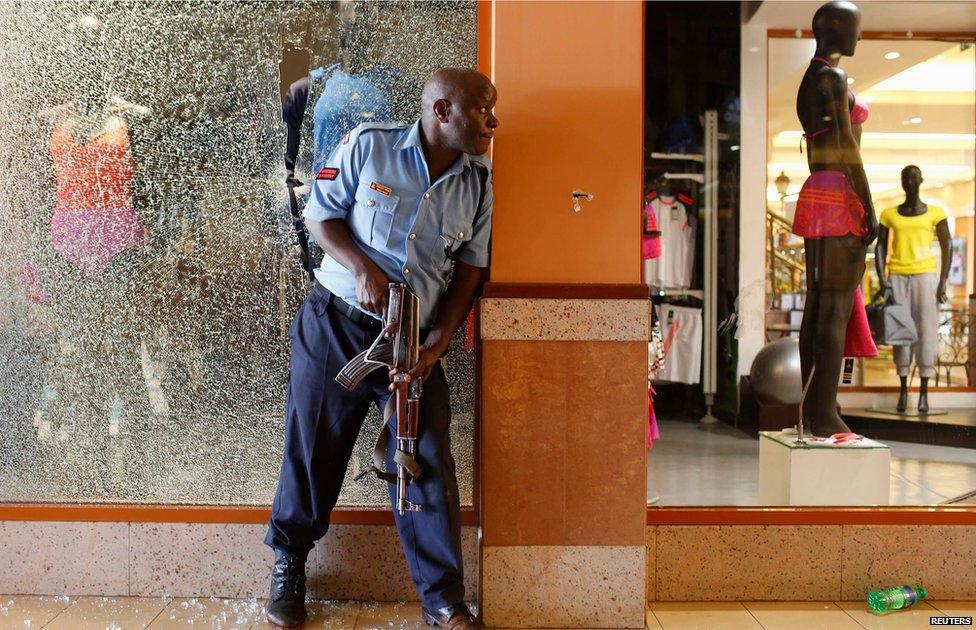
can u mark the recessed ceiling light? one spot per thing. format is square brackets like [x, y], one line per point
[940, 185]
[734, 147]
[892, 55]
[850, 80]
[915, 120]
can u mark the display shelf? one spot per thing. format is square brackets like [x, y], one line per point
[695, 157]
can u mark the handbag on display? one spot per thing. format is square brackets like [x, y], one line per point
[891, 324]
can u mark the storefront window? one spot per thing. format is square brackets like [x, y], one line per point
[922, 100]
[151, 271]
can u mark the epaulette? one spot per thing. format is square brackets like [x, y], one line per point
[651, 196]
[685, 199]
[362, 128]
[379, 126]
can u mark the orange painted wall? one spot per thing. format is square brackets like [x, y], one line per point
[570, 83]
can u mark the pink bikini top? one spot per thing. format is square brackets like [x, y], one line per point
[859, 108]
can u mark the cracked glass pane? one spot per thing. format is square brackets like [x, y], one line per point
[151, 263]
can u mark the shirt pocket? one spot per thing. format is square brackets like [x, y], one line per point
[373, 216]
[454, 234]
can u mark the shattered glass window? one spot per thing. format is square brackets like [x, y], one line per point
[150, 265]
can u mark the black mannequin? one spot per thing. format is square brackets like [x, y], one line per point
[913, 206]
[835, 264]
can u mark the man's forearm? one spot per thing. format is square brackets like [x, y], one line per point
[334, 239]
[455, 304]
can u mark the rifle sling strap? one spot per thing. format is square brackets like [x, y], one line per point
[379, 451]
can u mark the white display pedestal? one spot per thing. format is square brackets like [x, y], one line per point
[822, 474]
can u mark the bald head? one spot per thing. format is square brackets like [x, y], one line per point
[455, 85]
[457, 108]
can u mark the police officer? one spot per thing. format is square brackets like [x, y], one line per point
[409, 204]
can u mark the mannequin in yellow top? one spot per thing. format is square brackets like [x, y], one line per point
[915, 278]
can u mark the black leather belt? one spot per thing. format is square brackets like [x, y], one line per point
[348, 310]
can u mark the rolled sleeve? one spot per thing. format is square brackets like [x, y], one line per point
[332, 198]
[476, 251]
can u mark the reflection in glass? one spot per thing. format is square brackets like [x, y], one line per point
[151, 266]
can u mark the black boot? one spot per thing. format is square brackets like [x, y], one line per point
[903, 395]
[453, 618]
[923, 396]
[286, 604]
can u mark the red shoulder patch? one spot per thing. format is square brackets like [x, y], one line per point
[685, 199]
[328, 173]
[651, 196]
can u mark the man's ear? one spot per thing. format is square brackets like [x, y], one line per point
[442, 109]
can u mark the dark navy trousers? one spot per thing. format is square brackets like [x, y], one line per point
[321, 425]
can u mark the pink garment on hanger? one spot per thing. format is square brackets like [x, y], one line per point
[653, 433]
[651, 244]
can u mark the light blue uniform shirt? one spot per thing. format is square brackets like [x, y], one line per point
[411, 228]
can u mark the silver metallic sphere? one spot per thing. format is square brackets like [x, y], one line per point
[775, 374]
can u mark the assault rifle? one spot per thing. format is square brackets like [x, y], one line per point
[397, 346]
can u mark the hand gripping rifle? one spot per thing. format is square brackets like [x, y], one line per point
[398, 346]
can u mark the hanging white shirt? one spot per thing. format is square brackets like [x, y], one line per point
[674, 268]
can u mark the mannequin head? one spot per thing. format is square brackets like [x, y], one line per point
[911, 179]
[837, 27]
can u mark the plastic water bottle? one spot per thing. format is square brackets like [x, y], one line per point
[884, 599]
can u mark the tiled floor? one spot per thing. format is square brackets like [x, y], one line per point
[719, 465]
[19, 612]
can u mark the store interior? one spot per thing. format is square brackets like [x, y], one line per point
[921, 95]
[703, 433]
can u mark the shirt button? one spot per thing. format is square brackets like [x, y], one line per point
[412, 236]
[406, 271]
[460, 234]
[371, 203]
[426, 195]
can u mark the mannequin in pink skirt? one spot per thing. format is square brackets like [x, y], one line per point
[835, 216]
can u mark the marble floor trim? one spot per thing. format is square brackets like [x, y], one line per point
[806, 562]
[111, 559]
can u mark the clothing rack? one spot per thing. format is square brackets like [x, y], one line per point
[697, 157]
[710, 275]
[697, 177]
[661, 293]
[708, 219]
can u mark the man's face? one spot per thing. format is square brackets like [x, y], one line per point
[472, 122]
